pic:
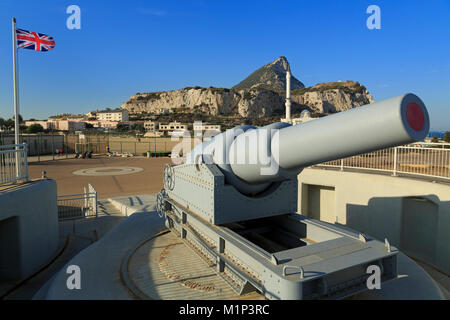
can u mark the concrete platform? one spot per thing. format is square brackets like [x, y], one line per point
[413, 283]
[124, 264]
[132, 204]
[164, 268]
[100, 263]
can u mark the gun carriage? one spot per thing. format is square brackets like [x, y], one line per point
[234, 202]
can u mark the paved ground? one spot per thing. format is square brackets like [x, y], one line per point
[147, 181]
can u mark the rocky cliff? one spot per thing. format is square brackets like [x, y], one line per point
[260, 95]
[272, 76]
[252, 103]
[332, 96]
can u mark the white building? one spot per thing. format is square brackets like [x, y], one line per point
[91, 114]
[64, 125]
[113, 115]
[305, 116]
[150, 125]
[103, 124]
[173, 126]
[201, 126]
[45, 124]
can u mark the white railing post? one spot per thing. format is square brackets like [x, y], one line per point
[342, 164]
[13, 163]
[394, 171]
[86, 203]
[25, 159]
[94, 196]
[18, 174]
[95, 205]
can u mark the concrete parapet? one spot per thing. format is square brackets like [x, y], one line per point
[413, 214]
[29, 230]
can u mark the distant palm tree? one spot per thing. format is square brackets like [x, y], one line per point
[446, 137]
[9, 124]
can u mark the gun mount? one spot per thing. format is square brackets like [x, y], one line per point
[234, 202]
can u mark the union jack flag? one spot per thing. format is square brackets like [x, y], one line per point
[34, 41]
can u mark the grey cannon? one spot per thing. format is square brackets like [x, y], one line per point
[252, 158]
[236, 202]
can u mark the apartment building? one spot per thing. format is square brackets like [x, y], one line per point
[173, 126]
[201, 126]
[113, 115]
[64, 125]
[150, 126]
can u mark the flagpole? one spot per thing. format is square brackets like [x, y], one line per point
[16, 95]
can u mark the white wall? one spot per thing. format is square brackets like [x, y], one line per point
[29, 232]
[43, 144]
[413, 214]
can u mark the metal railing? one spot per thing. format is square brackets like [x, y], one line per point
[78, 206]
[419, 159]
[13, 163]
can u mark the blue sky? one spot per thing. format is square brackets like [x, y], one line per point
[132, 46]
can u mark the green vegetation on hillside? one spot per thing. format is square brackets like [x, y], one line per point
[148, 96]
[349, 87]
[212, 89]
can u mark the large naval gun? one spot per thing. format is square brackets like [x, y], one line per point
[234, 202]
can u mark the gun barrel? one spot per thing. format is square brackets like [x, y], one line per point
[396, 121]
